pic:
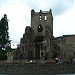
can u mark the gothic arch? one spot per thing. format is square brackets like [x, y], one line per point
[38, 46]
[40, 28]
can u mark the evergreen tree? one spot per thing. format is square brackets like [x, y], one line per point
[4, 30]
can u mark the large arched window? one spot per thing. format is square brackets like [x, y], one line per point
[40, 28]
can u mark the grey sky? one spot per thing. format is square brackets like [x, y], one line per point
[18, 12]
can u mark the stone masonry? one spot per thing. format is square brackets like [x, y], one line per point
[38, 41]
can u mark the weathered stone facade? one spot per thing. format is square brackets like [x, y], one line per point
[38, 41]
[65, 47]
[69, 46]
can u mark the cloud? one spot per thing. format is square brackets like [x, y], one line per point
[31, 4]
[16, 14]
[19, 15]
[2, 2]
[64, 24]
[62, 6]
[58, 7]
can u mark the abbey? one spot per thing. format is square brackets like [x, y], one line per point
[38, 41]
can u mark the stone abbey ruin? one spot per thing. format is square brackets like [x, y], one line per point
[38, 41]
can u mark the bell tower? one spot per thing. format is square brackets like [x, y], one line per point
[42, 25]
[42, 19]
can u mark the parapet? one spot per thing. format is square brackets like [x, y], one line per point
[32, 11]
[41, 12]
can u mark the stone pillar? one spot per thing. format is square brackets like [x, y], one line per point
[10, 57]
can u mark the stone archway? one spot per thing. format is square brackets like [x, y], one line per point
[38, 46]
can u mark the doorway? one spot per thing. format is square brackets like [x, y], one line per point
[38, 46]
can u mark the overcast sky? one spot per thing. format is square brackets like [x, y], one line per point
[19, 15]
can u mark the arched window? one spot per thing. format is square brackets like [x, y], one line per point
[45, 17]
[40, 28]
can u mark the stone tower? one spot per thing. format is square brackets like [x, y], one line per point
[42, 25]
[38, 41]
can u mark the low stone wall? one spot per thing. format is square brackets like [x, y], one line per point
[38, 68]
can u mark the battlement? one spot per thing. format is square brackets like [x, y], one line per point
[41, 12]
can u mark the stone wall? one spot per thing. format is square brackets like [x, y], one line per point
[38, 68]
[69, 46]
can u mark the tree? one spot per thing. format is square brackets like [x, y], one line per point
[4, 31]
[3, 55]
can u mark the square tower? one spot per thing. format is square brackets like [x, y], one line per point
[42, 19]
[42, 25]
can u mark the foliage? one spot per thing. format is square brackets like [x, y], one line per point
[4, 30]
[4, 38]
[3, 55]
[8, 49]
